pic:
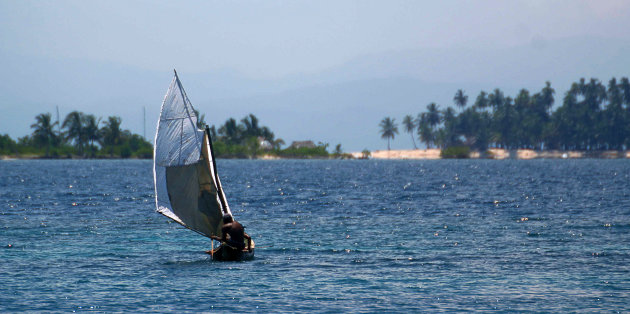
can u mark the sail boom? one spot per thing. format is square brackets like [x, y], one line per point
[183, 224]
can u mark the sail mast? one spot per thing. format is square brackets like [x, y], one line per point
[224, 206]
[216, 175]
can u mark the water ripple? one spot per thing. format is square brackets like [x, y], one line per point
[333, 236]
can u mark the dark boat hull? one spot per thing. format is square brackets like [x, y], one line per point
[224, 253]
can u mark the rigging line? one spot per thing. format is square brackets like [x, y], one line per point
[216, 175]
[186, 104]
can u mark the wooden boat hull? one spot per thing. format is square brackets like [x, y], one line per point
[224, 253]
[227, 253]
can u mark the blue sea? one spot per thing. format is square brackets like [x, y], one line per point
[332, 236]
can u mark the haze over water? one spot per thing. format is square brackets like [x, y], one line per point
[359, 236]
[325, 71]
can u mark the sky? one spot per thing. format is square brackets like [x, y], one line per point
[321, 70]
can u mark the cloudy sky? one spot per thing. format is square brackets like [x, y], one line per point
[280, 59]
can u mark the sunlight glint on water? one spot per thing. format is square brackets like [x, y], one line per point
[446, 235]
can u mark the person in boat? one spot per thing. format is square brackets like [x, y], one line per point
[234, 234]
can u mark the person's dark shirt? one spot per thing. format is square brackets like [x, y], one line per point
[234, 234]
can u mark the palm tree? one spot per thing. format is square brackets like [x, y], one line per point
[503, 124]
[388, 129]
[460, 99]
[231, 131]
[92, 133]
[266, 133]
[251, 126]
[434, 116]
[410, 127]
[547, 99]
[424, 129]
[613, 128]
[44, 134]
[482, 100]
[449, 134]
[201, 123]
[495, 99]
[277, 144]
[448, 114]
[522, 118]
[625, 87]
[73, 123]
[111, 134]
[338, 150]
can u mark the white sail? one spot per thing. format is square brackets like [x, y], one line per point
[187, 189]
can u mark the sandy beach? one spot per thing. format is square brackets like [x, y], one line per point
[495, 153]
[433, 153]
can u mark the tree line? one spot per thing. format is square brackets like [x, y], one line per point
[592, 116]
[85, 136]
[79, 135]
[248, 139]
[245, 138]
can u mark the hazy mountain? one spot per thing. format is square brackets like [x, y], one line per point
[559, 61]
[342, 104]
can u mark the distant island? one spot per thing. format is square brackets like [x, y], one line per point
[83, 136]
[248, 139]
[80, 135]
[493, 153]
[593, 121]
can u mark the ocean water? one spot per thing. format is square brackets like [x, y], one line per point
[332, 236]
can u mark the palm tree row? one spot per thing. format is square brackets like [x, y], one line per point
[80, 134]
[248, 139]
[237, 133]
[242, 139]
[592, 116]
[87, 136]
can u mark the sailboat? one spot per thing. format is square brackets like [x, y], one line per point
[187, 186]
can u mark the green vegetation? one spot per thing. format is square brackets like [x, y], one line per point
[304, 152]
[248, 139]
[242, 140]
[339, 154]
[410, 126]
[7, 145]
[365, 154]
[85, 136]
[455, 152]
[388, 129]
[79, 136]
[592, 117]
